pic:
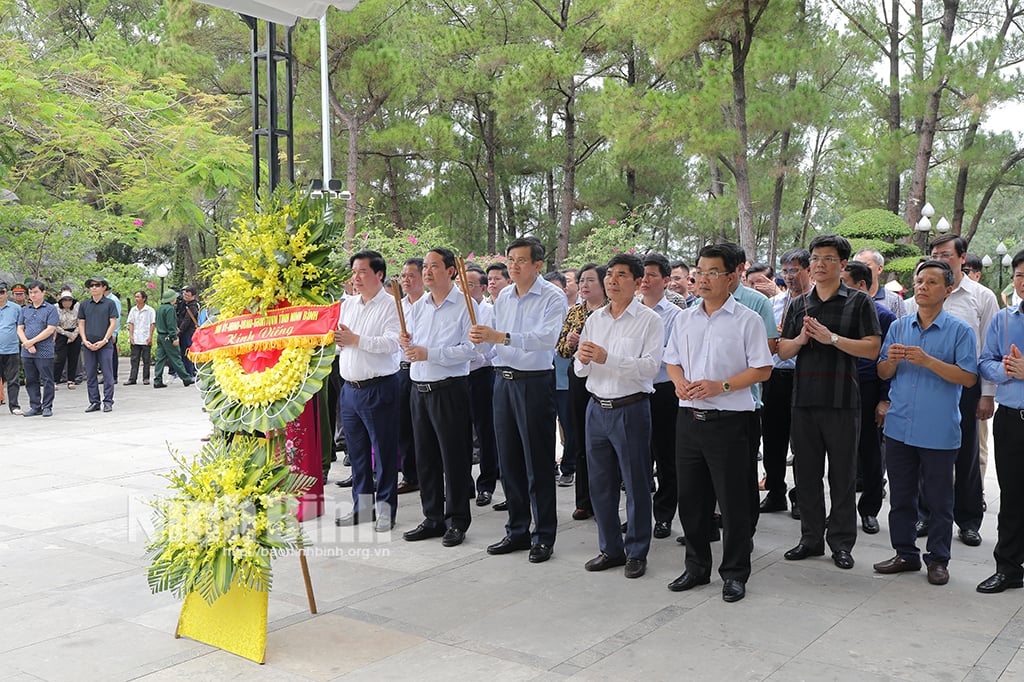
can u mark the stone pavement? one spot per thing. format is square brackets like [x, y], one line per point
[74, 604]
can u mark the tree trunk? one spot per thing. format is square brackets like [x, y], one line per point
[745, 212]
[392, 181]
[568, 182]
[892, 202]
[490, 144]
[510, 213]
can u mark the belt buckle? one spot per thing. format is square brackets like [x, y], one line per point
[423, 388]
[700, 415]
[606, 404]
[508, 374]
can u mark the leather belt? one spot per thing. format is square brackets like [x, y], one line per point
[427, 387]
[367, 382]
[612, 403]
[510, 374]
[404, 365]
[1012, 410]
[712, 415]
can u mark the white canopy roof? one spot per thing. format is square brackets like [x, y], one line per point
[282, 11]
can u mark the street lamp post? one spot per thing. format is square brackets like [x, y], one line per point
[161, 272]
[924, 225]
[1004, 260]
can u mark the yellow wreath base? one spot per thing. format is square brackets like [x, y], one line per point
[261, 388]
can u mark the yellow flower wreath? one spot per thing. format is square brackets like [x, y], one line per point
[263, 388]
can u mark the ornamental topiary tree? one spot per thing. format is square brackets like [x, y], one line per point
[885, 232]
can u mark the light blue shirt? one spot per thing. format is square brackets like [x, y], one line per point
[780, 305]
[668, 311]
[925, 409]
[533, 321]
[1009, 391]
[9, 344]
[444, 331]
[759, 303]
[117, 304]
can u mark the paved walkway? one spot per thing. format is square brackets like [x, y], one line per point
[74, 604]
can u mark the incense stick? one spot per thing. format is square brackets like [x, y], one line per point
[460, 271]
[396, 289]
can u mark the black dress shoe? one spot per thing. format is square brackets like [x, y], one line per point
[662, 529]
[688, 581]
[95, 407]
[897, 564]
[107, 407]
[501, 506]
[802, 551]
[635, 568]
[603, 562]
[453, 537]
[772, 504]
[624, 526]
[159, 384]
[540, 553]
[969, 537]
[938, 574]
[353, 519]
[842, 558]
[998, 582]
[346, 483]
[794, 510]
[423, 532]
[507, 545]
[581, 514]
[921, 527]
[869, 524]
[733, 590]
[129, 383]
[483, 498]
[407, 487]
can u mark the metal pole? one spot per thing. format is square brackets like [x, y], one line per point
[325, 105]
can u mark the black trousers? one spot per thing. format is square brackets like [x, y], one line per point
[664, 413]
[712, 461]
[143, 352]
[968, 509]
[481, 411]
[444, 453]
[817, 433]
[406, 436]
[1008, 432]
[579, 397]
[66, 354]
[775, 427]
[524, 424]
[869, 450]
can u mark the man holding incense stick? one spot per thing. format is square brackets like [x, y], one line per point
[527, 319]
[439, 353]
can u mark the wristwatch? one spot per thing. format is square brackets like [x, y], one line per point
[726, 387]
[834, 339]
[508, 339]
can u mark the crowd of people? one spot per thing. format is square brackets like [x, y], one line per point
[667, 382]
[50, 340]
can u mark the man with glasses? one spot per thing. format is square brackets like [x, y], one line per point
[976, 305]
[778, 390]
[681, 282]
[827, 331]
[527, 320]
[10, 363]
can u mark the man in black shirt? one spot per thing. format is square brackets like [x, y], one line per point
[827, 331]
[97, 321]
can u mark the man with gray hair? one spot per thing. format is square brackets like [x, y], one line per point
[876, 261]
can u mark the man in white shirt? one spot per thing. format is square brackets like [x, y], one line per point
[440, 352]
[141, 325]
[716, 352]
[976, 305]
[367, 340]
[620, 354]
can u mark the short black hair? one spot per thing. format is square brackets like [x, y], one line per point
[35, 284]
[973, 262]
[1017, 260]
[600, 270]
[947, 272]
[555, 276]
[768, 271]
[145, 296]
[679, 264]
[447, 255]
[375, 260]
[798, 254]
[473, 267]
[566, 271]
[958, 243]
[859, 272]
[726, 251]
[500, 267]
[415, 262]
[630, 260]
[537, 249]
[834, 241]
[660, 262]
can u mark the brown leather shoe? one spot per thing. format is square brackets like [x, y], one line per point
[897, 564]
[407, 487]
[938, 574]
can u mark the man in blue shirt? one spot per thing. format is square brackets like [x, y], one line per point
[10, 365]
[929, 357]
[37, 324]
[527, 320]
[1002, 363]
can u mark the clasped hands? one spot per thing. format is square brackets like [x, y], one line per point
[814, 330]
[915, 355]
[1013, 363]
[702, 389]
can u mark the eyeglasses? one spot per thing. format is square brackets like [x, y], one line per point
[712, 274]
[944, 255]
[824, 259]
[521, 262]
